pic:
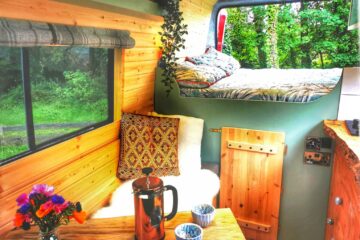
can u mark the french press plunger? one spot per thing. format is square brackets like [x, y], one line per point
[149, 206]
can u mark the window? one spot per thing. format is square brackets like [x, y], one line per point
[292, 35]
[50, 94]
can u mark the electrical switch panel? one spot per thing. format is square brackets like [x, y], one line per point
[318, 151]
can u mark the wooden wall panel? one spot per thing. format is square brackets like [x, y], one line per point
[197, 15]
[346, 215]
[64, 13]
[83, 168]
[345, 184]
[66, 166]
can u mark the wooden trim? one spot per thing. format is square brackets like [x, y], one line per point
[118, 82]
[253, 225]
[349, 144]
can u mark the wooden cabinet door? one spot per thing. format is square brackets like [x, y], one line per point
[251, 173]
[344, 201]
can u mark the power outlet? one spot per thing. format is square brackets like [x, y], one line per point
[317, 158]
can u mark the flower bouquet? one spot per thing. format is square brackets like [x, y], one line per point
[47, 210]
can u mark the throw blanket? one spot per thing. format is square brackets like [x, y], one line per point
[280, 85]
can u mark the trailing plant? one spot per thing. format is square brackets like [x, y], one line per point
[172, 40]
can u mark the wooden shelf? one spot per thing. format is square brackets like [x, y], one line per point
[350, 144]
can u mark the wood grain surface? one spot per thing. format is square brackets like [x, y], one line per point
[224, 227]
[251, 181]
[338, 131]
[346, 216]
[72, 166]
[345, 183]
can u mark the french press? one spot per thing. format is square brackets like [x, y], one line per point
[149, 206]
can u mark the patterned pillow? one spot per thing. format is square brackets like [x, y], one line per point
[148, 141]
[212, 57]
[197, 76]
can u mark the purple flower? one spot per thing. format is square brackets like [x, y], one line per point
[57, 199]
[22, 199]
[43, 189]
[24, 208]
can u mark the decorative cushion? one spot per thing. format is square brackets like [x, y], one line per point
[189, 138]
[148, 141]
[197, 76]
[214, 58]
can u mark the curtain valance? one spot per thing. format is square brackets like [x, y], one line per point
[20, 33]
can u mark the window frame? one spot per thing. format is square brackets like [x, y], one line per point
[30, 130]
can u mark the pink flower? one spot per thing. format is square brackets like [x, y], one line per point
[27, 218]
[45, 209]
[43, 189]
[58, 208]
[48, 204]
[22, 199]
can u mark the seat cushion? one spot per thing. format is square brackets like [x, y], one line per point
[189, 140]
[148, 141]
[200, 187]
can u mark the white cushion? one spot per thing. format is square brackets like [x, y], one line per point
[200, 187]
[194, 185]
[189, 140]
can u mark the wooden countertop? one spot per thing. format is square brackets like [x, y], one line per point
[338, 131]
[223, 227]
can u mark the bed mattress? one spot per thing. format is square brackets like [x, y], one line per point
[279, 85]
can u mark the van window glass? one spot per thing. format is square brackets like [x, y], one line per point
[292, 35]
[67, 92]
[13, 137]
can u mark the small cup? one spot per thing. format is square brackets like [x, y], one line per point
[188, 231]
[203, 214]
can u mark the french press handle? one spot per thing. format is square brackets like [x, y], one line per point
[175, 201]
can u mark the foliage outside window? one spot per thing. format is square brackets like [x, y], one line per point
[69, 92]
[293, 35]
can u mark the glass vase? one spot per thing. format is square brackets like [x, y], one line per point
[50, 235]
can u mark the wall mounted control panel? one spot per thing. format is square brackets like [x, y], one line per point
[318, 151]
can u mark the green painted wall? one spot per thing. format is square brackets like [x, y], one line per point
[305, 187]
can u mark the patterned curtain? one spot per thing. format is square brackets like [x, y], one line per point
[19, 33]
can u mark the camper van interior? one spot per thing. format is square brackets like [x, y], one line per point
[179, 119]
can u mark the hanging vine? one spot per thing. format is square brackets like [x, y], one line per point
[172, 40]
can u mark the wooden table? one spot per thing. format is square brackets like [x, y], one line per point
[223, 227]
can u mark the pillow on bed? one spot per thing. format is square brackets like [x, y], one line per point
[148, 141]
[212, 57]
[197, 76]
[189, 139]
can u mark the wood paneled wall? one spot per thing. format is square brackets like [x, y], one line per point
[83, 168]
[197, 15]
